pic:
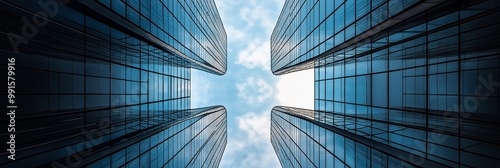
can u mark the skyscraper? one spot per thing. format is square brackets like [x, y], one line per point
[416, 77]
[107, 83]
[190, 138]
[300, 139]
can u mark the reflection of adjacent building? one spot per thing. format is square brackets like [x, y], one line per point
[192, 138]
[418, 77]
[302, 140]
[103, 81]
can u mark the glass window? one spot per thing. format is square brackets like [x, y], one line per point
[330, 160]
[349, 153]
[363, 25]
[378, 159]
[361, 89]
[379, 89]
[379, 15]
[329, 7]
[350, 90]
[362, 7]
[362, 155]
[329, 90]
[349, 12]
[338, 89]
[339, 146]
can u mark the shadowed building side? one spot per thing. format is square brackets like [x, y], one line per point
[416, 76]
[102, 76]
[301, 140]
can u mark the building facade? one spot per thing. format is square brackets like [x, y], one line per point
[300, 139]
[190, 138]
[111, 75]
[417, 76]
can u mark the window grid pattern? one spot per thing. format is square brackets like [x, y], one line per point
[306, 29]
[299, 142]
[193, 142]
[83, 85]
[192, 27]
[416, 88]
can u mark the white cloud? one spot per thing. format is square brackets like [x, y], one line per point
[256, 54]
[200, 87]
[254, 90]
[296, 89]
[256, 13]
[235, 34]
[253, 148]
[256, 127]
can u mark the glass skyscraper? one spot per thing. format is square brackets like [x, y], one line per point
[397, 83]
[300, 139]
[107, 83]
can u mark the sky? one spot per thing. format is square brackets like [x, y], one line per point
[249, 90]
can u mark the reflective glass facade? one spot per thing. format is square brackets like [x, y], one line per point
[301, 140]
[311, 29]
[422, 81]
[192, 30]
[108, 82]
[194, 138]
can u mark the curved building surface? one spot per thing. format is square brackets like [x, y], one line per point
[419, 77]
[108, 82]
